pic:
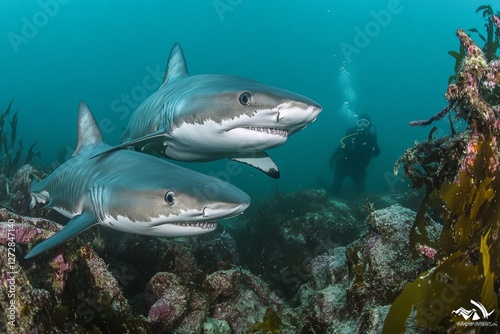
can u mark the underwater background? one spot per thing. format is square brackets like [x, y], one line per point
[418, 252]
[101, 51]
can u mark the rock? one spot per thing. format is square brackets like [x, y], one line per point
[216, 251]
[325, 296]
[239, 298]
[329, 269]
[16, 190]
[179, 259]
[197, 312]
[67, 288]
[382, 260]
[351, 287]
[26, 307]
[168, 300]
[15, 195]
[162, 283]
[222, 283]
[285, 233]
[216, 326]
[372, 320]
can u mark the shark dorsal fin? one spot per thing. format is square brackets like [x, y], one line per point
[88, 130]
[176, 66]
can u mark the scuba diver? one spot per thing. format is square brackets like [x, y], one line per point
[354, 153]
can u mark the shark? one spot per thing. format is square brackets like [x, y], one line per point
[130, 192]
[213, 116]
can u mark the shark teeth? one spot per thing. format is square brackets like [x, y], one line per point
[271, 131]
[205, 226]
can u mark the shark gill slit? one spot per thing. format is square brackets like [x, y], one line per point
[97, 195]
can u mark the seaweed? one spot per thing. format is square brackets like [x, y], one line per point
[271, 324]
[471, 211]
[491, 40]
[461, 176]
[435, 294]
[12, 148]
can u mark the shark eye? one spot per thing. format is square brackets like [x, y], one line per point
[170, 197]
[245, 98]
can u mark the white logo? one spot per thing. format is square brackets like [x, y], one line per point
[466, 314]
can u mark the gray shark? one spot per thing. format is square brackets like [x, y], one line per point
[208, 117]
[131, 192]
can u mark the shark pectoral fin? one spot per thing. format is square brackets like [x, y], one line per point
[75, 226]
[142, 143]
[261, 161]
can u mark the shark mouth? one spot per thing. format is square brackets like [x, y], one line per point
[204, 226]
[271, 131]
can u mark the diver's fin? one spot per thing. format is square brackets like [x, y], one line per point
[75, 226]
[261, 161]
[146, 143]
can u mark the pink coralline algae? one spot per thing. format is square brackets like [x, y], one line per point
[492, 76]
[427, 251]
[22, 233]
[169, 299]
[471, 154]
[162, 309]
[26, 233]
[474, 97]
[496, 21]
[61, 269]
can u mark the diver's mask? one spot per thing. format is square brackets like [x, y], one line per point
[363, 123]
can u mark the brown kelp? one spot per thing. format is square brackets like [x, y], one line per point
[11, 148]
[461, 174]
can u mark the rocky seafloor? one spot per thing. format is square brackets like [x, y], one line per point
[296, 263]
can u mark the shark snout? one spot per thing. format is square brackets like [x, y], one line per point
[294, 115]
[219, 210]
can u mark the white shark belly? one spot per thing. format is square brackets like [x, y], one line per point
[203, 142]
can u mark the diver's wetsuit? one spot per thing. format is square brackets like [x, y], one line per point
[353, 156]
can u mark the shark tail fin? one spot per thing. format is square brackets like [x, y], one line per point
[88, 130]
[176, 65]
[75, 226]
